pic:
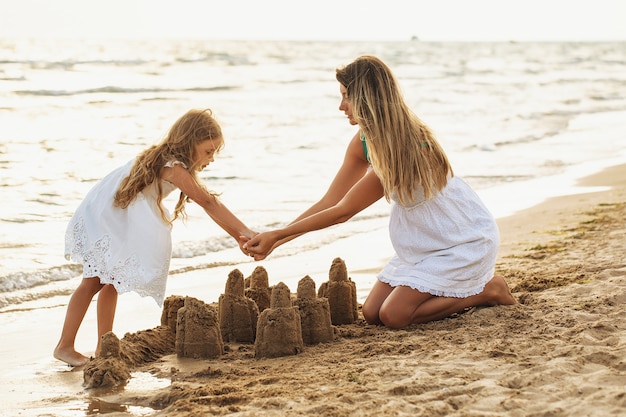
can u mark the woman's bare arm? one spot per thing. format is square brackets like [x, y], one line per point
[364, 193]
[352, 169]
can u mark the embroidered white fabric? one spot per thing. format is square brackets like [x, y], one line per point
[129, 248]
[445, 246]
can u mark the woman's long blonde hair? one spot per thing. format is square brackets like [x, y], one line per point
[190, 129]
[404, 152]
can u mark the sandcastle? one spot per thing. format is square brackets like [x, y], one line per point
[169, 314]
[238, 314]
[108, 369]
[314, 314]
[258, 288]
[111, 368]
[340, 291]
[197, 331]
[279, 332]
[191, 328]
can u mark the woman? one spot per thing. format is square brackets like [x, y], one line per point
[446, 241]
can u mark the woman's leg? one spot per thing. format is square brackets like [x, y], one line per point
[375, 299]
[76, 309]
[406, 306]
[107, 303]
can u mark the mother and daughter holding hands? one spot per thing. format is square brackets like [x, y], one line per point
[445, 239]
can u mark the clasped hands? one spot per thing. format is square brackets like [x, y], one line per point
[258, 246]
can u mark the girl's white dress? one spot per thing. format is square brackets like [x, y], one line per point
[129, 248]
[445, 246]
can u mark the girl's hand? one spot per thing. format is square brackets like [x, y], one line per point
[261, 245]
[242, 241]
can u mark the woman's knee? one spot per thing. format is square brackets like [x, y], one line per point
[383, 314]
[372, 305]
[370, 313]
[392, 318]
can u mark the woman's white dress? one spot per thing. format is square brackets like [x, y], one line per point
[445, 246]
[129, 248]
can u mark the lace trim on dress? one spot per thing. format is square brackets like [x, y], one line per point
[437, 293]
[126, 275]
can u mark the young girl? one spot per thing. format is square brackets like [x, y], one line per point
[446, 241]
[121, 232]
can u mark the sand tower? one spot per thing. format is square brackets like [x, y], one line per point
[169, 314]
[108, 369]
[197, 331]
[341, 293]
[279, 332]
[238, 314]
[314, 314]
[259, 288]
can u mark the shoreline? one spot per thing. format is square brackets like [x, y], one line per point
[38, 383]
[561, 211]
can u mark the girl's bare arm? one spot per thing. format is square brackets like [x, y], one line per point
[210, 203]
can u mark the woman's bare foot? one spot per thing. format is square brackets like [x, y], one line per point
[499, 292]
[71, 357]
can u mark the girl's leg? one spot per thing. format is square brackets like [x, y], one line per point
[107, 302]
[406, 306]
[76, 309]
[371, 307]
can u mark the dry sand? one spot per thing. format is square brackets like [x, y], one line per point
[560, 352]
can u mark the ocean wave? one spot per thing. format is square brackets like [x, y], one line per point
[191, 249]
[526, 139]
[120, 90]
[201, 267]
[213, 58]
[24, 280]
[19, 300]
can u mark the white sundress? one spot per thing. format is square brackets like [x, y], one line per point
[129, 248]
[445, 246]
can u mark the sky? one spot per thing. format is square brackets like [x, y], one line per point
[428, 20]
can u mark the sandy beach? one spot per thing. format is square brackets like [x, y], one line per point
[560, 352]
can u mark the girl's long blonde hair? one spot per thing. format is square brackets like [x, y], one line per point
[403, 150]
[190, 129]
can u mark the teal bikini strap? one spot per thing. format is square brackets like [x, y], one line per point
[364, 143]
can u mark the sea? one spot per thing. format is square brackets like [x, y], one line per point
[519, 121]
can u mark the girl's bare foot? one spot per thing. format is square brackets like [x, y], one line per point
[499, 291]
[71, 357]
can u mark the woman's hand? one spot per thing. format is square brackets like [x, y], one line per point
[261, 245]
